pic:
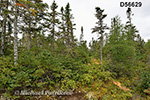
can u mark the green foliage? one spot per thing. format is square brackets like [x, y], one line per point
[121, 56]
[57, 62]
[119, 51]
[122, 52]
[147, 47]
[144, 79]
[45, 70]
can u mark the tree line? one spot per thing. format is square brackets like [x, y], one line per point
[33, 20]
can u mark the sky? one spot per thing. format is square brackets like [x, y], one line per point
[84, 14]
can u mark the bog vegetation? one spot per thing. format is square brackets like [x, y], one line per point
[116, 66]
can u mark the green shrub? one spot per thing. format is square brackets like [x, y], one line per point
[144, 79]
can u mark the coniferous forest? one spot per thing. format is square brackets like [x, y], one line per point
[39, 52]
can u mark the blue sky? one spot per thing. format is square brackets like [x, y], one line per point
[84, 10]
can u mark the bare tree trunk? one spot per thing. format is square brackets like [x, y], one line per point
[3, 35]
[102, 37]
[29, 31]
[29, 36]
[53, 36]
[4, 31]
[101, 48]
[15, 36]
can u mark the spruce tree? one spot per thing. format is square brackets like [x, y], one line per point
[69, 27]
[122, 53]
[130, 28]
[31, 19]
[81, 36]
[62, 28]
[100, 28]
[54, 22]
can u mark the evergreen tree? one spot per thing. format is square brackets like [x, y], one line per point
[54, 22]
[135, 39]
[31, 18]
[131, 29]
[100, 29]
[62, 28]
[81, 36]
[140, 51]
[69, 36]
[121, 52]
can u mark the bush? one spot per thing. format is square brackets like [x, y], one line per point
[144, 79]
